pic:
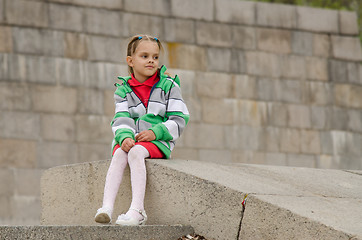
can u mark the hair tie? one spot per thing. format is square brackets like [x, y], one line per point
[140, 37]
[156, 39]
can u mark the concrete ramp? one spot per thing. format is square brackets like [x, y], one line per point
[282, 202]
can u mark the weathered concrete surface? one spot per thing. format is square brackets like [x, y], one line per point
[283, 202]
[94, 232]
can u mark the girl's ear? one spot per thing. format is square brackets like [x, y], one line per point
[129, 61]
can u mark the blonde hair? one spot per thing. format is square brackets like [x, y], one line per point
[135, 41]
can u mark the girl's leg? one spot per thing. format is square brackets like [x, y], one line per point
[114, 178]
[136, 161]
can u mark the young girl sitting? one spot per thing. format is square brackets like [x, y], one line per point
[150, 116]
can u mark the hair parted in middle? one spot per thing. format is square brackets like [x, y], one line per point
[135, 41]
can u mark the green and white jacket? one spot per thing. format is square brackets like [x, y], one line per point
[166, 114]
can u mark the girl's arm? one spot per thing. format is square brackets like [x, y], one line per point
[177, 116]
[123, 126]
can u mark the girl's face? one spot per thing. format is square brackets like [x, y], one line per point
[144, 60]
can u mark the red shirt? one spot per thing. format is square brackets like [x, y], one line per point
[143, 90]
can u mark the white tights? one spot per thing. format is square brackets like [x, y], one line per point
[136, 160]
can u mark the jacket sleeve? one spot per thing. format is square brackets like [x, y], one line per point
[177, 116]
[123, 126]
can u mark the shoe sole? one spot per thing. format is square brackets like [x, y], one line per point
[102, 218]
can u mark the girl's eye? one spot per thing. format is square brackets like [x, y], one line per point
[156, 57]
[144, 56]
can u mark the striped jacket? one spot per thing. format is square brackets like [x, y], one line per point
[166, 114]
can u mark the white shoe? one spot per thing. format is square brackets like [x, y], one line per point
[124, 220]
[103, 215]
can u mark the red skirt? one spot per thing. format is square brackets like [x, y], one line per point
[154, 151]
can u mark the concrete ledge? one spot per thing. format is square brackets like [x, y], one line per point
[94, 232]
[283, 202]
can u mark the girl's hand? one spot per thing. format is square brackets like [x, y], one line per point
[127, 144]
[146, 136]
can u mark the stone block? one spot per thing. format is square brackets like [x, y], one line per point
[75, 46]
[40, 69]
[317, 68]
[44, 42]
[5, 210]
[206, 82]
[266, 88]
[246, 138]
[338, 71]
[239, 12]
[156, 7]
[15, 68]
[189, 57]
[301, 160]
[7, 182]
[199, 10]
[109, 4]
[272, 139]
[263, 64]
[111, 72]
[179, 30]
[325, 162]
[58, 95]
[89, 152]
[218, 111]
[57, 127]
[244, 87]
[251, 113]
[244, 37]
[299, 116]
[90, 101]
[310, 142]
[348, 23]
[321, 117]
[28, 13]
[276, 15]
[214, 34]
[108, 103]
[355, 120]
[2, 13]
[6, 43]
[4, 69]
[327, 142]
[27, 182]
[321, 45]
[238, 63]
[66, 17]
[276, 159]
[26, 209]
[346, 48]
[140, 23]
[278, 114]
[14, 96]
[290, 91]
[93, 129]
[339, 118]
[353, 73]
[209, 136]
[185, 153]
[99, 50]
[69, 72]
[216, 156]
[56, 153]
[274, 40]
[346, 144]
[294, 67]
[94, 74]
[20, 124]
[101, 21]
[302, 43]
[348, 95]
[13, 156]
[317, 20]
[219, 59]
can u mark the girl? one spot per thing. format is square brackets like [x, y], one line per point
[150, 116]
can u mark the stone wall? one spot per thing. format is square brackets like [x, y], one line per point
[265, 83]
